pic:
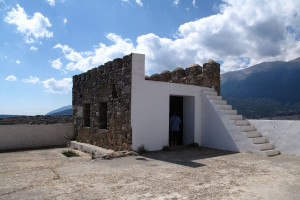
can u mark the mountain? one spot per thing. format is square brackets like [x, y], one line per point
[66, 110]
[267, 89]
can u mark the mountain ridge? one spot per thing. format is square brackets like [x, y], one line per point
[277, 81]
[59, 110]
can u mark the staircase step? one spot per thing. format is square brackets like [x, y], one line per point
[214, 97]
[219, 102]
[253, 134]
[259, 140]
[225, 107]
[212, 93]
[265, 146]
[272, 152]
[243, 122]
[247, 128]
[235, 117]
[230, 112]
[206, 89]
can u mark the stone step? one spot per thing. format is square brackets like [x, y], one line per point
[235, 117]
[272, 152]
[265, 146]
[230, 112]
[91, 149]
[212, 93]
[225, 107]
[219, 102]
[243, 122]
[247, 128]
[214, 97]
[259, 140]
[206, 89]
[253, 134]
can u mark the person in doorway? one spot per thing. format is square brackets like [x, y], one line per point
[174, 126]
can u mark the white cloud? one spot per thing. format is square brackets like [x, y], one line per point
[139, 2]
[65, 20]
[57, 64]
[254, 30]
[58, 86]
[86, 60]
[194, 3]
[33, 28]
[243, 33]
[18, 62]
[51, 2]
[176, 2]
[11, 78]
[32, 48]
[31, 79]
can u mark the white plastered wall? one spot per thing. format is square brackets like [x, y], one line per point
[284, 134]
[31, 136]
[150, 109]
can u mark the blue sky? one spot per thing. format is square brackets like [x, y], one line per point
[43, 43]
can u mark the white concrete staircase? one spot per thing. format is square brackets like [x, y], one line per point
[266, 147]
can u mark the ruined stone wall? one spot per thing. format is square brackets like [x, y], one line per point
[109, 84]
[38, 119]
[206, 76]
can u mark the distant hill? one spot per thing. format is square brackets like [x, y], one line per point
[267, 89]
[66, 110]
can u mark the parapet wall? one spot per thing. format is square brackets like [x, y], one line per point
[206, 76]
[284, 134]
[22, 136]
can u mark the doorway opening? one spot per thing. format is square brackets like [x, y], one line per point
[184, 106]
[176, 106]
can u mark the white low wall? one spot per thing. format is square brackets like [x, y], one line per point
[284, 134]
[31, 136]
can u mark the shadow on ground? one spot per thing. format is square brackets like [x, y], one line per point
[190, 157]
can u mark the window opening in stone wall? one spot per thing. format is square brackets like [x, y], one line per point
[103, 115]
[87, 117]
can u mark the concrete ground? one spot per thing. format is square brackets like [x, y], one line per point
[184, 173]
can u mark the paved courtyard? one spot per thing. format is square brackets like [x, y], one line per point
[184, 173]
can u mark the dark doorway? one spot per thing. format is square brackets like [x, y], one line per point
[176, 105]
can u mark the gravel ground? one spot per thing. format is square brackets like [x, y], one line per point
[183, 173]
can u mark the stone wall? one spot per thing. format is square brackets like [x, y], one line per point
[207, 76]
[38, 119]
[101, 105]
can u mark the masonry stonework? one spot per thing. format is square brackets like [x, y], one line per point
[206, 76]
[102, 99]
[103, 95]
